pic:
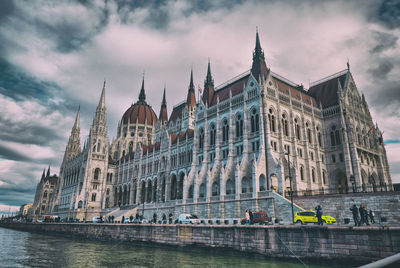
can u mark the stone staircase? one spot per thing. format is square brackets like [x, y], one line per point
[283, 208]
[118, 213]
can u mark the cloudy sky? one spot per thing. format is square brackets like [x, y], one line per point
[54, 56]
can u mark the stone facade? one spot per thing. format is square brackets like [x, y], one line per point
[232, 144]
[44, 195]
[345, 245]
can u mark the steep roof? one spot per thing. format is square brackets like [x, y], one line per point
[325, 91]
[177, 111]
[236, 86]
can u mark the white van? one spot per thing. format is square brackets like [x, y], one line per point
[187, 218]
[96, 220]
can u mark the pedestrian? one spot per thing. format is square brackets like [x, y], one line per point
[318, 210]
[123, 219]
[251, 216]
[361, 210]
[131, 218]
[247, 217]
[365, 211]
[155, 218]
[170, 218]
[371, 216]
[354, 209]
[164, 218]
[112, 218]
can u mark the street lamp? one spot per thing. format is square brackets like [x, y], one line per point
[291, 189]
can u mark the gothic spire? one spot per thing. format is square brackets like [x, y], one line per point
[48, 172]
[77, 119]
[191, 96]
[163, 111]
[142, 95]
[259, 67]
[102, 102]
[44, 172]
[208, 86]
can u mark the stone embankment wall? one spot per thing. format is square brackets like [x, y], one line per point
[345, 244]
[384, 204]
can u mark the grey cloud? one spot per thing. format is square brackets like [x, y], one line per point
[386, 95]
[7, 7]
[17, 196]
[389, 13]
[7, 153]
[384, 41]
[383, 69]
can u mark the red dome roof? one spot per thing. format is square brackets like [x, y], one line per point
[140, 112]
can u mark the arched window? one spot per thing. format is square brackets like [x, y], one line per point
[215, 189]
[324, 176]
[313, 175]
[230, 187]
[108, 191]
[202, 190]
[94, 197]
[297, 128]
[262, 182]
[337, 137]
[239, 126]
[225, 130]
[96, 174]
[309, 136]
[254, 121]
[190, 193]
[80, 203]
[201, 138]
[212, 134]
[332, 136]
[271, 120]
[319, 136]
[45, 194]
[130, 147]
[302, 173]
[246, 185]
[285, 126]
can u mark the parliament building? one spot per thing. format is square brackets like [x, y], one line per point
[248, 143]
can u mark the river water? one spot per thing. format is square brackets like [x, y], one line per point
[24, 249]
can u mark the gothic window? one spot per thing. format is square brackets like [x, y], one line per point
[319, 137]
[98, 146]
[309, 136]
[254, 121]
[215, 189]
[230, 187]
[313, 175]
[302, 173]
[324, 176]
[115, 155]
[94, 197]
[201, 138]
[271, 120]
[225, 130]
[335, 136]
[285, 127]
[45, 194]
[212, 134]
[239, 126]
[297, 128]
[130, 147]
[96, 174]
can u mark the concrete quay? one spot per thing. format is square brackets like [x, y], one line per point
[355, 245]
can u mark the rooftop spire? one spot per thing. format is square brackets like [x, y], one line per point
[259, 67]
[44, 172]
[48, 172]
[142, 95]
[77, 118]
[209, 79]
[191, 97]
[208, 86]
[102, 102]
[163, 111]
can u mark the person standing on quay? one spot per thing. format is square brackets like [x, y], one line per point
[318, 210]
[123, 219]
[251, 216]
[247, 217]
[371, 216]
[354, 209]
[361, 210]
[365, 211]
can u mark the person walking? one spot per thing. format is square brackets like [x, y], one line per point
[247, 217]
[371, 216]
[318, 210]
[365, 211]
[354, 210]
[251, 216]
[361, 210]
[123, 219]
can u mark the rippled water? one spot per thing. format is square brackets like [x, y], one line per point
[24, 249]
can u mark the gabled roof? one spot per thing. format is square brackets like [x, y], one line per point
[296, 92]
[325, 92]
[177, 112]
[236, 86]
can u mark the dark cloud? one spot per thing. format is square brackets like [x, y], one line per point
[389, 13]
[6, 9]
[385, 95]
[383, 69]
[384, 41]
[17, 195]
[7, 153]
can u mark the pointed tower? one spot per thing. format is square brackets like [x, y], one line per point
[99, 126]
[163, 111]
[191, 96]
[48, 172]
[44, 172]
[74, 142]
[259, 67]
[208, 87]
[142, 95]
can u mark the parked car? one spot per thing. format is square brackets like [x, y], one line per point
[187, 218]
[307, 216]
[97, 220]
[260, 217]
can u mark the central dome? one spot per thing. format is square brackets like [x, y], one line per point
[140, 113]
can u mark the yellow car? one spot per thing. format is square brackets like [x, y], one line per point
[307, 216]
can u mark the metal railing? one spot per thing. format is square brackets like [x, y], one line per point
[344, 190]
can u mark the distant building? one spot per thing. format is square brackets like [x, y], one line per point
[212, 155]
[44, 195]
[24, 209]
